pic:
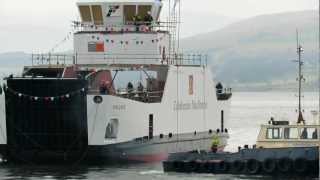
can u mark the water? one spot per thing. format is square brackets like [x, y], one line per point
[248, 111]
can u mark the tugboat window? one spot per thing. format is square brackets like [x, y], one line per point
[308, 133]
[274, 133]
[291, 133]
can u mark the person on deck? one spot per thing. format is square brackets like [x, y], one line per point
[215, 143]
[148, 19]
[130, 87]
[137, 21]
[104, 87]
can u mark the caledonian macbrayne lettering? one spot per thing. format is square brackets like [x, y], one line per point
[189, 105]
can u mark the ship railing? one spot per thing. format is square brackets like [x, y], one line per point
[52, 59]
[118, 58]
[142, 95]
[224, 94]
[128, 26]
[134, 58]
[188, 59]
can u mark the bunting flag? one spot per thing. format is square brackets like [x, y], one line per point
[134, 41]
[62, 97]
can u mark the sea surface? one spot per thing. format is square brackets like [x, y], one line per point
[248, 111]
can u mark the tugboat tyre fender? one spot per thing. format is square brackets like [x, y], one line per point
[222, 167]
[237, 166]
[178, 166]
[269, 165]
[300, 165]
[284, 165]
[208, 167]
[168, 166]
[187, 166]
[253, 166]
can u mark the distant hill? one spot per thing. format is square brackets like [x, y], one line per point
[13, 62]
[14, 59]
[260, 50]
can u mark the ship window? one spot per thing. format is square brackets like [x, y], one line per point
[143, 10]
[129, 12]
[112, 129]
[158, 13]
[273, 133]
[291, 133]
[191, 85]
[97, 14]
[308, 133]
[85, 13]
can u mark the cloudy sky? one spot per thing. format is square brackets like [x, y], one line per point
[39, 24]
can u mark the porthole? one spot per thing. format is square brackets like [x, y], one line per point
[97, 99]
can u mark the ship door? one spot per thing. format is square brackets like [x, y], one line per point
[112, 129]
[150, 126]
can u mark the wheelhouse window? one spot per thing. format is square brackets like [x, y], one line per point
[143, 10]
[274, 133]
[129, 12]
[291, 133]
[85, 13]
[97, 14]
[308, 133]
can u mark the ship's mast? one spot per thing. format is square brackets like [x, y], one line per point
[300, 78]
[319, 62]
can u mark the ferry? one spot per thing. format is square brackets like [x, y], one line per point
[125, 94]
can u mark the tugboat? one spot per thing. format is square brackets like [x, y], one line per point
[281, 149]
[278, 134]
[125, 94]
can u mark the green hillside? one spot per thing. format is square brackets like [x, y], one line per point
[259, 51]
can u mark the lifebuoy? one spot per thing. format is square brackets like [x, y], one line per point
[284, 165]
[300, 165]
[252, 166]
[269, 165]
[237, 166]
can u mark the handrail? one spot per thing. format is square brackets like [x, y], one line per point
[117, 58]
[126, 26]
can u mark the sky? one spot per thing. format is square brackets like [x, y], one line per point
[40, 24]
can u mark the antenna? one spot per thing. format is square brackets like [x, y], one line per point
[300, 78]
[319, 61]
